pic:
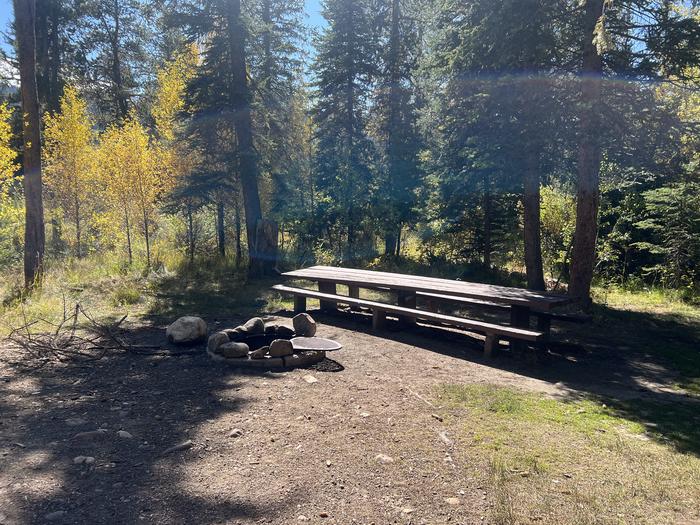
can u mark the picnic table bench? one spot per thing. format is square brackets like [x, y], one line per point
[522, 303]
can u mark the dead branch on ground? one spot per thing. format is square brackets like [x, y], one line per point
[77, 335]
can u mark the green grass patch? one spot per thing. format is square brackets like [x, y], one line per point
[571, 461]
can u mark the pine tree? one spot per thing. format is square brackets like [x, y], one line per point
[396, 108]
[222, 101]
[344, 160]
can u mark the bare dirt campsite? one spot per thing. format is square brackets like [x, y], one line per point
[400, 426]
[350, 262]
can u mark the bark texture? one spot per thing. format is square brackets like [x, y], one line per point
[589, 158]
[34, 235]
[242, 123]
[531, 224]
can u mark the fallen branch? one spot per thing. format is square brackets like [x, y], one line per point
[76, 335]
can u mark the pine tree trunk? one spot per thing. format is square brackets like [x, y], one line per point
[531, 224]
[237, 224]
[122, 106]
[220, 231]
[589, 158]
[34, 234]
[393, 146]
[241, 120]
[48, 53]
[390, 243]
[487, 204]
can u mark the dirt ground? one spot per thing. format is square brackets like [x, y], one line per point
[358, 440]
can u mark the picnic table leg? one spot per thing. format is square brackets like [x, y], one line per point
[326, 287]
[378, 319]
[544, 323]
[490, 345]
[519, 318]
[354, 292]
[407, 300]
[299, 304]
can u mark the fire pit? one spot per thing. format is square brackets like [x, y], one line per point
[257, 344]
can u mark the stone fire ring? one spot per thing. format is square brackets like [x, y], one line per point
[304, 350]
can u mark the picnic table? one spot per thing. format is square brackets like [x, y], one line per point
[522, 303]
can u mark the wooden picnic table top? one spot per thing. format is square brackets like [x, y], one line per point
[396, 281]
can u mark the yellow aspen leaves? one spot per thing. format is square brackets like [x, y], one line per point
[68, 155]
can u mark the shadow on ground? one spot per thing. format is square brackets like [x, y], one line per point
[160, 400]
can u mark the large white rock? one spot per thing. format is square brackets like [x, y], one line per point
[187, 330]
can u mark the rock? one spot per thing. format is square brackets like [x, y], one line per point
[284, 332]
[270, 329]
[260, 353]
[384, 459]
[266, 362]
[235, 335]
[233, 350]
[304, 325]
[80, 460]
[310, 379]
[216, 340]
[302, 518]
[281, 348]
[452, 501]
[180, 446]
[236, 432]
[75, 421]
[123, 434]
[254, 326]
[187, 330]
[55, 515]
[445, 438]
[303, 359]
[100, 433]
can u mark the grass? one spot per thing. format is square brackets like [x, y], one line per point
[108, 289]
[570, 462]
[656, 323]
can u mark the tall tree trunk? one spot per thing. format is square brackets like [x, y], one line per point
[48, 13]
[34, 235]
[220, 230]
[531, 223]
[237, 225]
[589, 158]
[488, 212]
[241, 119]
[393, 168]
[390, 241]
